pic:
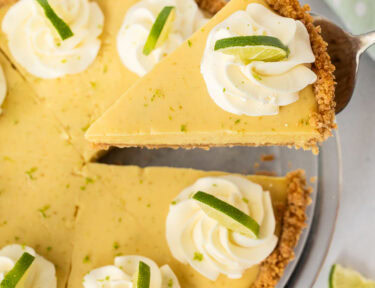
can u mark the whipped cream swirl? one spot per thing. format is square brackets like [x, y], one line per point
[258, 88]
[3, 87]
[137, 25]
[210, 248]
[121, 274]
[36, 45]
[41, 273]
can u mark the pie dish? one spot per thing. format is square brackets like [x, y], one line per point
[170, 107]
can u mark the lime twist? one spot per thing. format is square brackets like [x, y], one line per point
[15, 277]
[142, 277]
[227, 215]
[62, 28]
[253, 48]
[160, 29]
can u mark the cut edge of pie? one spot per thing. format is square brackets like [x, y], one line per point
[293, 223]
[323, 120]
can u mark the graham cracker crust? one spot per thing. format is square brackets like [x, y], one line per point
[293, 223]
[211, 6]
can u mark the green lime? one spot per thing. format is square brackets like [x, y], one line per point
[62, 28]
[253, 48]
[160, 29]
[143, 276]
[341, 277]
[227, 215]
[13, 278]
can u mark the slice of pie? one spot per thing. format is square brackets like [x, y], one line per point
[129, 217]
[80, 77]
[223, 86]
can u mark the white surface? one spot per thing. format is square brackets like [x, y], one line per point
[353, 244]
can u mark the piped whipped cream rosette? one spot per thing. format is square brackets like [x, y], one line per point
[41, 273]
[198, 239]
[36, 44]
[3, 87]
[138, 23]
[125, 274]
[258, 88]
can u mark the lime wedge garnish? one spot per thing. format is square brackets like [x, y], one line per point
[160, 29]
[253, 48]
[14, 276]
[227, 215]
[62, 28]
[143, 276]
[341, 277]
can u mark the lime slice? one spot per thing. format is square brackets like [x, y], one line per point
[227, 215]
[143, 276]
[341, 277]
[160, 30]
[253, 48]
[62, 28]
[13, 278]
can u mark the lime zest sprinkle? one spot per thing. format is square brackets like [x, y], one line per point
[43, 210]
[12, 278]
[116, 245]
[86, 259]
[31, 172]
[61, 27]
[183, 128]
[170, 283]
[198, 256]
[256, 76]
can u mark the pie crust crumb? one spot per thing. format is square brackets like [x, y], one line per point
[293, 222]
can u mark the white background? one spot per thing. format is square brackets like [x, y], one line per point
[354, 240]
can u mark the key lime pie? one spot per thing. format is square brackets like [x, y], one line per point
[80, 77]
[153, 213]
[65, 222]
[256, 74]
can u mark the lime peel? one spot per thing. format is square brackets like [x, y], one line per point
[253, 48]
[142, 278]
[14, 276]
[62, 28]
[160, 29]
[227, 215]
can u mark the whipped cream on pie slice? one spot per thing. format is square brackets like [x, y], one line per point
[37, 46]
[122, 272]
[258, 88]
[137, 25]
[41, 273]
[211, 249]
